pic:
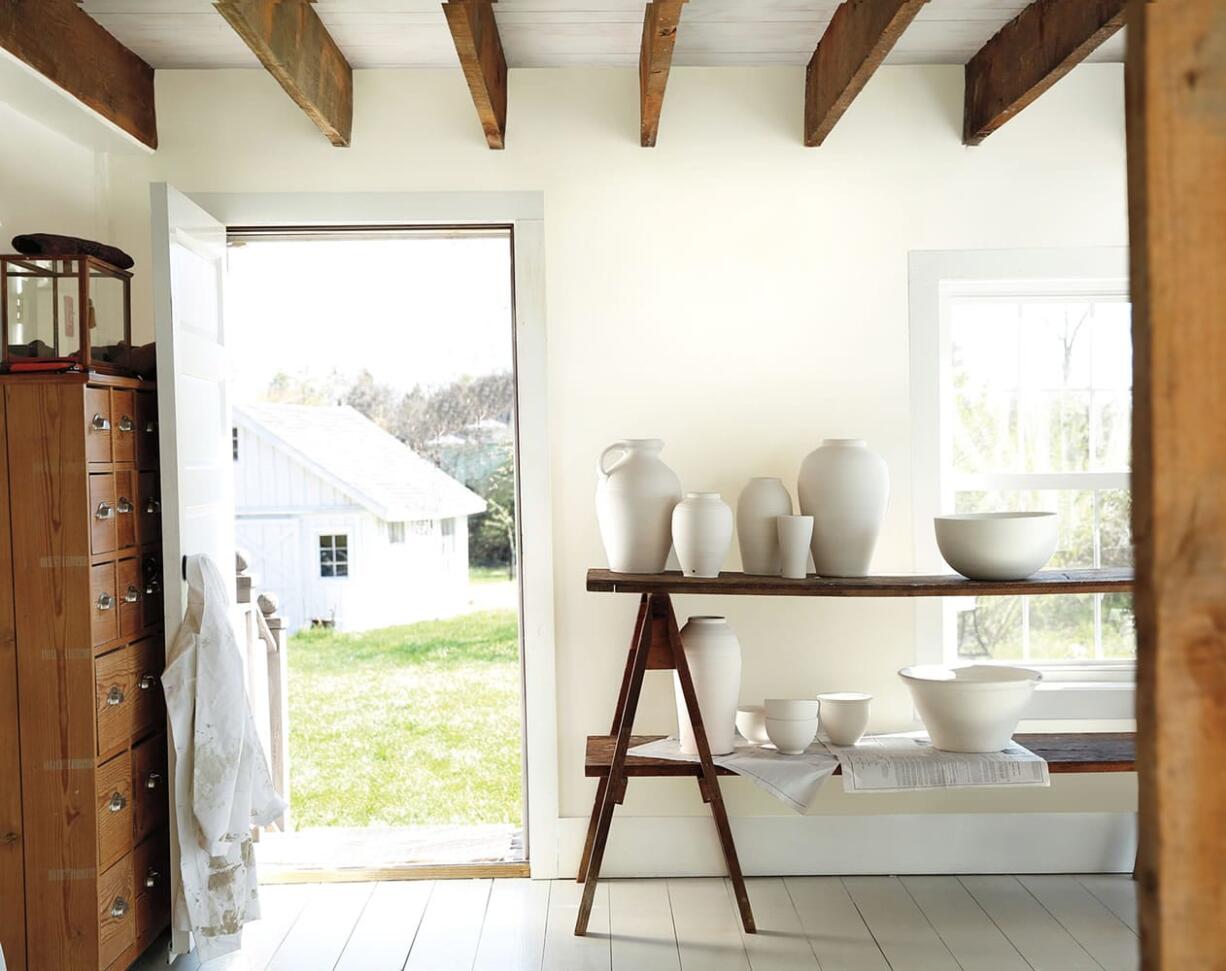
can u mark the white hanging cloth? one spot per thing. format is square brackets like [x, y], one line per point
[222, 785]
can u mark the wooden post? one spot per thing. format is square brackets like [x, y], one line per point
[278, 700]
[1176, 109]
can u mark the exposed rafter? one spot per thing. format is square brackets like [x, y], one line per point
[660, 19]
[293, 44]
[69, 48]
[1028, 55]
[479, 47]
[860, 35]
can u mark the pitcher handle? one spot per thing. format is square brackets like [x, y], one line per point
[623, 447]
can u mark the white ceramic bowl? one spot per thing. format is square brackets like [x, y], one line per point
[997, 545]
[844, 715]
[791, 708]
[751, 723]
[791, 736]
[973, 708]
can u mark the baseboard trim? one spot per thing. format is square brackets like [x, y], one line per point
[686, 846]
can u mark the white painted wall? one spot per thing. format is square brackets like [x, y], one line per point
[730, 291]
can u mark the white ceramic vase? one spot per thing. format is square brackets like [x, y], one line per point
[714, 658]
[761, 502]
[844, 486]
[635, 496]
[702, 533]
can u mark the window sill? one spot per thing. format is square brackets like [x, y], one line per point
[1083, 700]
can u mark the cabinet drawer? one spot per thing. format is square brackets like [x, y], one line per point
[125, 510]
[116, 913]
[102, 512]
[130, 588]
[103, 596]
[115, 699]
[151, 873]
[147, 666]
[123, 425]
[146, 429]
[97, 425]
[149, 790]
[151, 571]
[115, 810]
[149, 506]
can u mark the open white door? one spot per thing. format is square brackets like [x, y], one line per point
[189, 252]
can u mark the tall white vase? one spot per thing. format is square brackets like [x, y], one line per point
[635, 496]
[844, 486]
[714, 658]
[760, 505]
[702, 533]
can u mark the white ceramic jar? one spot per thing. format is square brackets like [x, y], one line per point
[844, 486]
[760, 503]
[635, 496]
[714, 658]
[702, 533]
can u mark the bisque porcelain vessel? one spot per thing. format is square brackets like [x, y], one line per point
[795, 535]
[844, 486]
[791, 723]
[997, 545]
[751, 723]
[713, 654]
[702, 533]
[844, 715]
[760, 503]
[970, 708]
[635, 496]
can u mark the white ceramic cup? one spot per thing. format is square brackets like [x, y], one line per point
[844, 715]
[795, 533]
[751, 723]
[791, 736]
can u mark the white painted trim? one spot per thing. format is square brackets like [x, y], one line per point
[524, 212]
[686, 846]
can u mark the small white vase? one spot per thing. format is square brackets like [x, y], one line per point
[702, 533]
[844, 486]
[713, 655]
[795, 534]
[760, 503]
[635, 496]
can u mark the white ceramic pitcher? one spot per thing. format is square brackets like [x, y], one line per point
[635, 496]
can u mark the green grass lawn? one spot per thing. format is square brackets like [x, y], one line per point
[404, 726]
[488, 574]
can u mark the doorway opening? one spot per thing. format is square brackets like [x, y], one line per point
[373, 391]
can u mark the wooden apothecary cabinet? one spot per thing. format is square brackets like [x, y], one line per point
[84, 850]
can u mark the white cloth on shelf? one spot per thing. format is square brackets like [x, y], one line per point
[222, 785]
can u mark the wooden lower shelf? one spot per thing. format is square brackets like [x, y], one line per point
[1063, 752]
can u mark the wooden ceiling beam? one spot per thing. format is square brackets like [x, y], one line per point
[295, 47]
[1028, 55]
[660, 19]
[65, 45]
[860, 35]
[479, 47]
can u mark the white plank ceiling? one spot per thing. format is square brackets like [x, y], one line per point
[560, 33]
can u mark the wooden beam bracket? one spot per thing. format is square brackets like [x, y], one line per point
[475, 32]
[660, 20]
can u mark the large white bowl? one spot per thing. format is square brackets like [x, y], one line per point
[974, 708]
[997, 545]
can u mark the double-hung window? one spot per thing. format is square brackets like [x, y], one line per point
[1022, 400]
[334, 555]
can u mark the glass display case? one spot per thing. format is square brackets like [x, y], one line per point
[64, 313]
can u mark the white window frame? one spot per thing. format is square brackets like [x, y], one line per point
[1104, 690]
[335, 547]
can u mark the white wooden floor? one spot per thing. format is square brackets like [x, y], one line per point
[972, 923]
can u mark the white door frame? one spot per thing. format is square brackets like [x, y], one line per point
[524, 213]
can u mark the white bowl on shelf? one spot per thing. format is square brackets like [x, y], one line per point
[997, 545]
[751, 723]
[791, 723]
[970, 708]
[791, 708]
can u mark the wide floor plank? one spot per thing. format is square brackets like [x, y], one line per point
[1117, 892]
[705, 917]
[563, 950]
[970, 935]
[280, 907]
[384, 933]
[641, 926]
[322, 929]
[780, 943]
[1109, 941]
[837, 933]
[513, 937]
[1033, 931]
[898, 925]
[451, 926]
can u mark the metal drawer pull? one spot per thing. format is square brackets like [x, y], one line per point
[147, 681]
[118, 803]
[124, 505]
[132, 595]
[105, 601]
[119, 908]
[104, 511]
[126, 424]
[153, 506]
[153, 780]
[100, 424]
[151, 878]
[114, 696]
[151, 427]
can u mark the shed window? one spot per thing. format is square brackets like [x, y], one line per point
[395, 532]
[447, 531]
[334, 555]
[234, 442]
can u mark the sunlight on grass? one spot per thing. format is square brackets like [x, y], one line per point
[405, 726]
